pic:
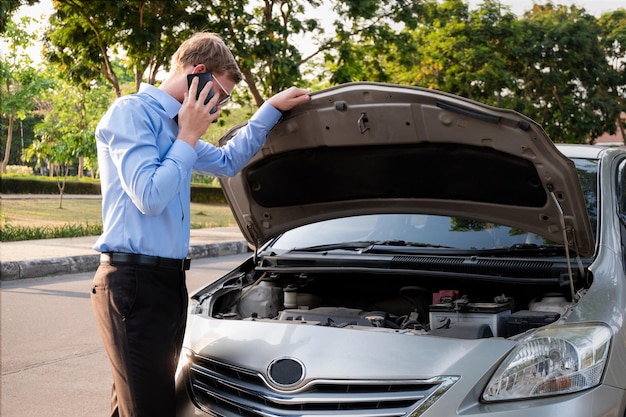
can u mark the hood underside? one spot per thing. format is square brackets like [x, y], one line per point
[366, 148]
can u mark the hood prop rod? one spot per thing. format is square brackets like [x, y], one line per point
[566, 241]
[256, 241]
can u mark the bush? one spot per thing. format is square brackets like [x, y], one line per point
[19, 170]
[10, 233]
[207, 195]
[35, 185]
[200, 193]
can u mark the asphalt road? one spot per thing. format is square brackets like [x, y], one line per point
[51, 356]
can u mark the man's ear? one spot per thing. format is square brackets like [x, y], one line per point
[199, 69]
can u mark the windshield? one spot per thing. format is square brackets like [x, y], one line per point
[431, 230]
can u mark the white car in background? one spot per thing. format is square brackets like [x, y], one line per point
[416, 254]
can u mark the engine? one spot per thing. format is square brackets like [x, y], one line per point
[377, 302]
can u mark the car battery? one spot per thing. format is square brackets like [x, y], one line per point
[524, 320]
[495, 315]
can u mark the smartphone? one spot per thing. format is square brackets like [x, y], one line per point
[204, 77]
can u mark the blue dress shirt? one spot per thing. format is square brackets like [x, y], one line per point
[145, 173]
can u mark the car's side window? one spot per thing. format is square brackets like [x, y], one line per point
[588, 176]
[621, 206]
[621, 192]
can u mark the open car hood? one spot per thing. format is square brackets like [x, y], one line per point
[363, 148]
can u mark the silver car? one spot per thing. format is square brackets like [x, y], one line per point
[416, 254]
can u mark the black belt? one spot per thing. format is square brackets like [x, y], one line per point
[116, 258]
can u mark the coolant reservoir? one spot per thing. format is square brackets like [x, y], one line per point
[554, 303]
[290, 295]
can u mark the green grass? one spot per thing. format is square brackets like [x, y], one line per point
[41, 218]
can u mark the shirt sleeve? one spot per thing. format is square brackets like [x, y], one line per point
[152, 166]
[229, 159]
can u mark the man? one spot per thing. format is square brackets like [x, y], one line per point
[147, 148]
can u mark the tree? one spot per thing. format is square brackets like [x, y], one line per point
[21, 84]
[67, 129]
[37, 153]
[368, 43]
[85, 36]
[457, 50]
[564, 72]
[259, 35]
[73, 117]
[613, 40]
[435, 44]
[61, 159]
[558, 65]
[552, 64]
[8, 7]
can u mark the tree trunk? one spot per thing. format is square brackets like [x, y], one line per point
[81, 165]
[7, 151]
[258, 100]
[61, 177]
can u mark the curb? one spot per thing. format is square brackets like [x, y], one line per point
[39, 268]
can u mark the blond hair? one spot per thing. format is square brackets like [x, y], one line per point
[208, 49]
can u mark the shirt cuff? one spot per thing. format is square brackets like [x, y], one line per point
[267, 115]
[181, 151]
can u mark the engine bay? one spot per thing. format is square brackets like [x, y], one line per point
[446, 307]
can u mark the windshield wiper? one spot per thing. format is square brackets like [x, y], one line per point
[404, 243]
[526, 249]
[389, 246]
[364, 246]
[354, 245]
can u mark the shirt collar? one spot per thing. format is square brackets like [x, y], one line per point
[169, 103]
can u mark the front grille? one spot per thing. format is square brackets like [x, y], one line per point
[224, 390]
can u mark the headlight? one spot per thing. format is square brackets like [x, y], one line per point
[552, 360]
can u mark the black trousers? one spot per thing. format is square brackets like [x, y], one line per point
[141, 313]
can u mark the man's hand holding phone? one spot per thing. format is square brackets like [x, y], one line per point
[199, 108]
[203, 79]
